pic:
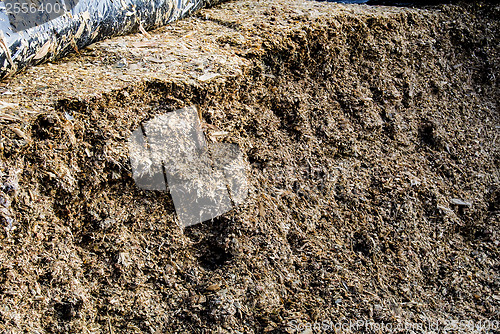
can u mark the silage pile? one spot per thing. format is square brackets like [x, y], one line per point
[371, 135]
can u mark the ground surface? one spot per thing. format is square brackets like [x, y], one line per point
[372, 140]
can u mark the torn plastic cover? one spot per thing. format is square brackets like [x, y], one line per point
[35, 31]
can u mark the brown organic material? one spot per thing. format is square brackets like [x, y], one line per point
[359, 124]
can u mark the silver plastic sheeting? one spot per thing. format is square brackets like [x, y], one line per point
[35, 31]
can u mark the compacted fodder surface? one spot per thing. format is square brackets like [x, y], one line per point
[371, 137]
